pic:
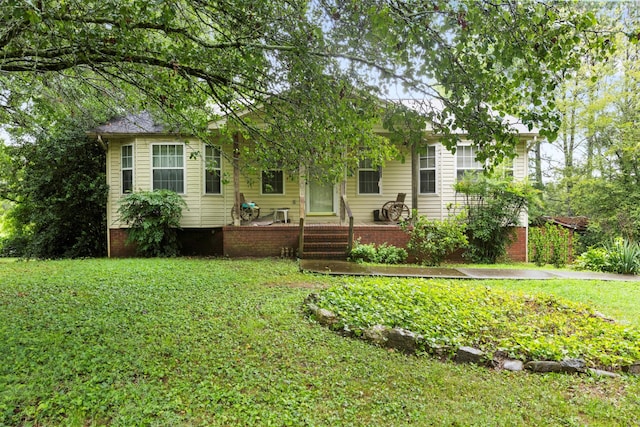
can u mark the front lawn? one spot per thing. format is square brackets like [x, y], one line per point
[219, 342]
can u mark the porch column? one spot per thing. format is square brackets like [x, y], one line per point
[343, 192]
[302, 191]
[415, 177]
[236, 178]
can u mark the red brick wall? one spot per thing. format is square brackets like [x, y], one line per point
[517, 251]
[258, 241]
[118, 248]
[390, 234]
[269, 241]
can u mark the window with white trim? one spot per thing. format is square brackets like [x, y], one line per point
[126, 166]
[466, 161]
[168, 167]
[368, 178]
[273, 182]
[505, 168]
[428, 170]
[213, 170]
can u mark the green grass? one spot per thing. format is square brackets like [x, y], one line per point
[217, 342]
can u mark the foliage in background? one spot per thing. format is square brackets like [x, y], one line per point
[593, 168]
[58, 190]
[493, 210]
[153, 218]
[430, 241]
[618, 256]
[383, 254]
[447, 314]
[549, 244]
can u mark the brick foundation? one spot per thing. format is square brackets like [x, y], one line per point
[259, 242]
[262, 242]
[117, 244]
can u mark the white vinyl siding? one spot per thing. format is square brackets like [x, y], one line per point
[168, 167]
[213, 170]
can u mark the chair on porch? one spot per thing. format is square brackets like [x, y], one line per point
[248, 210]
[395, 210]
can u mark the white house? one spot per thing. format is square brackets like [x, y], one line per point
[142, 155]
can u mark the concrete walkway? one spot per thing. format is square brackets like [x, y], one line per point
[354, 269]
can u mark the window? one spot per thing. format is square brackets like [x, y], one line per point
[272, 182]
[168, 167]
[466, 161]
[368, 178]
[126, 165]
[213, 169]
[428, 171]
[504, 169]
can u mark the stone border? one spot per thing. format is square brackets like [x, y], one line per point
[408, 342]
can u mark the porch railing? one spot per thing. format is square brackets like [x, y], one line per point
[347, 209]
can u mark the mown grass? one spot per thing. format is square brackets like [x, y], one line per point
[218, 342]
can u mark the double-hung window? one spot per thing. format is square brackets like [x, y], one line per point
[428, 170]
[213, 170]
[126, 166]
[168, 167]
[272, 182]
[368, 178]
[466, 162]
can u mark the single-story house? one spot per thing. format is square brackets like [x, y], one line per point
[308, 219]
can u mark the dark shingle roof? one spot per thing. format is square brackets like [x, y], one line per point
[131, 124]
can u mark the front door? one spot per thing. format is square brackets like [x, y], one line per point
[320, 198]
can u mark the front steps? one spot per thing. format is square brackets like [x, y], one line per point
[325, 242]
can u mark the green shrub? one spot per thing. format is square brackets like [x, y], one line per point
[619, 256]
[623, 257]
[494, 208]
[430, 241]
[594, 259]
[549, 245]
[389, 254]
[384, 254]
[153, 217]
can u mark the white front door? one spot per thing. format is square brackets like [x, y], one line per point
[320, 198]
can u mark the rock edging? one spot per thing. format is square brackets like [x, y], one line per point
[409, 342]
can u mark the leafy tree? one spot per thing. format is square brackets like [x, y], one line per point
[603, 117]
[58, 189]
[477, 60]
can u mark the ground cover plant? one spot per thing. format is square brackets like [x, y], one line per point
[447, 315]
[222, 343]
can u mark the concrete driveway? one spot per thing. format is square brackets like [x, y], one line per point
[354, 269]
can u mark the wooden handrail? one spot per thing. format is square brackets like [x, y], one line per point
[347, 209]
[301, 239]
